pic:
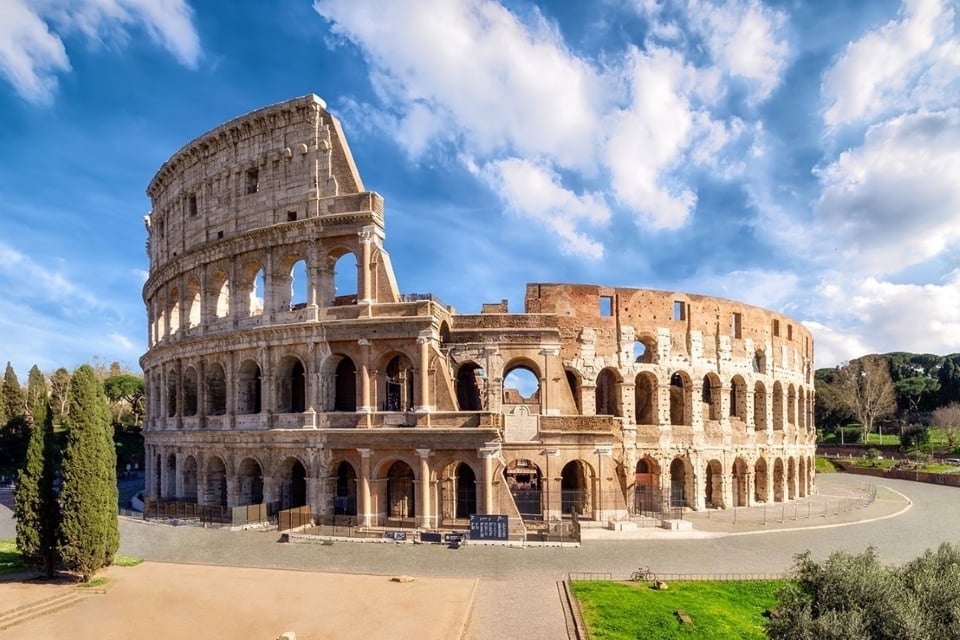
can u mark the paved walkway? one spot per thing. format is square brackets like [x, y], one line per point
[517, 595]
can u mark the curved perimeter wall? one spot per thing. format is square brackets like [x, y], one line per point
[285, 366]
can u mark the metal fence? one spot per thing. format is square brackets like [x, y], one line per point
[293, 518]
[208, 515]
[677, 577]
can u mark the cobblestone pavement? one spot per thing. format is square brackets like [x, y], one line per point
[517, 596]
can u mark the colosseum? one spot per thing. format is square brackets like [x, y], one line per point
[285, 366]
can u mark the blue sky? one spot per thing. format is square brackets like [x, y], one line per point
[801, 156]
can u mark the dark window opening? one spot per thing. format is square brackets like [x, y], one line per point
[192, 205]
[253, 180]
[679, 310]
[291, 216]
[776, 328]
[736, 325]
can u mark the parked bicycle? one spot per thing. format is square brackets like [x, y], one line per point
[643, 574]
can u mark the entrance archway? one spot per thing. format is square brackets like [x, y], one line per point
[250, 477]
[738, 483]
[525, 481]
[293, 484]
[345, 493]
[678, 481]
[401, 497]
[216, 489]
[646, 486]
[190, 479]
[574, 490]
[778, 480]
[714, 487]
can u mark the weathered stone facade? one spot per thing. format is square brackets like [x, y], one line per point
[267, 382]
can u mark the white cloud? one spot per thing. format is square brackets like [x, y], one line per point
[32, 52]
[770, 289]
[893, 202]
[22, 278]
[908, 63]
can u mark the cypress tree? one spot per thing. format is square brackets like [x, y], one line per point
[11, 397]
[89, 532]
[35, 504]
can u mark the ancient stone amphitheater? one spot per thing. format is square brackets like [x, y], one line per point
[286, 367]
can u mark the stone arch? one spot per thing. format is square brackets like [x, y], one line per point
[249, 388]
[345, 489]
[778, 492]
[216, 487]
[174, 313]
[344, 384]
[253, 287]
[681, 481]
[220, 294]
[712, 397]
[458, 489]
[575, 488]
[346, 278]
[608, 393]
[194, 315]
[645, 398]
[759, 362]
[521, 383]
[738, 483]
[713, 488]
[291, 283]
[760, 407]
[216, 390]
[761, 487]
[738, 399]
[292, 483]
[401, 490]
[646, 485]
[575, 384]
[398, 380]
[470, 385]
[172, 393]
[681, 395]
[777, 406]
[249, 482]
[189, 383]
[645, 349]
[190, 477]
[525, 482]
[291, 386]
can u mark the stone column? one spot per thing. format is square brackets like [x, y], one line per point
[233, 491]
[364, 282]
[488, 454]
[364, 508]
[364, 373]
[426, 519]
[424, 340]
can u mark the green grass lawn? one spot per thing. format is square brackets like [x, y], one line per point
[825, 465]
[719, 610]
[10, 558]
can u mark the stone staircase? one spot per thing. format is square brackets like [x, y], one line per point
[62, 600]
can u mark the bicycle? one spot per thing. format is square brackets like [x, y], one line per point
[643, 573]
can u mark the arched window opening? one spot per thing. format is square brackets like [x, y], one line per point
[190, 391]
[345, 498]
[298, 285]
[644, 350]
[249, 399]
[193, 303]
[345, 280]
[399, 385]
[257, 294]
[714, 485]
[711, 394]
[401, 497]
[171, 394]
[777, 407]
[292, 386]
[216, 396]
[738, 399]
[574, 492]
[645, 398]
[759, 362]
[345, 386]
[521, 386]
[679, 400]
[470, 386]
[250, 477]
[760, 407]
[174, 310]
[573, 382]
[607, 394]
[221, 291]
[791, 405]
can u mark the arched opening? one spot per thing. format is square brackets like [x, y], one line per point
[711, 395]
[221, 293]
[801, 410]
[791, 406]
[470, 385]
[250, 477]
[293, 484]
[398, 392]
[298, 285]
[216, 396]
[174, 311]
[644, 350]
[574, 490]
[714, 485]
[345, 496]
[738, 483]
[193, 303]
[189, 391]
[345, 287]
[646, 486]
[524, 481]
[216, 489]
[777, 407]
[778, 480]
[678, 482]
[791, 479]
[190, 479]
[759, 362]
[573, 383]
[172, 394]
[249, 396]
[759, 407]
[521, 386]
[345, 386]
[645, 398]
[170, 490]
[401, 497]
[292, 386]
[459, 487]
[608, 393]
[761, 487]
[680, 391]
[254, 284]
[738, 399]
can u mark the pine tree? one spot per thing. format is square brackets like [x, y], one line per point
[11, 397]
[89, 532]
[35, 504]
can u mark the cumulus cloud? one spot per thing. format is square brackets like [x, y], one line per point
[32, 52]
[893, 201]
[910, 62]
[22, 278]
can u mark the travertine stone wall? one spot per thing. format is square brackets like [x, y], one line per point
[285, 366]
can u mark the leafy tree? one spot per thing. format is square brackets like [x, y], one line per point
[59, 392]
[13, 442]
[913, 389]
[125, 392]
[864, 387]
[11, 397]
[88, 496]
[913, 436]
[947, 419]
[35, 503]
